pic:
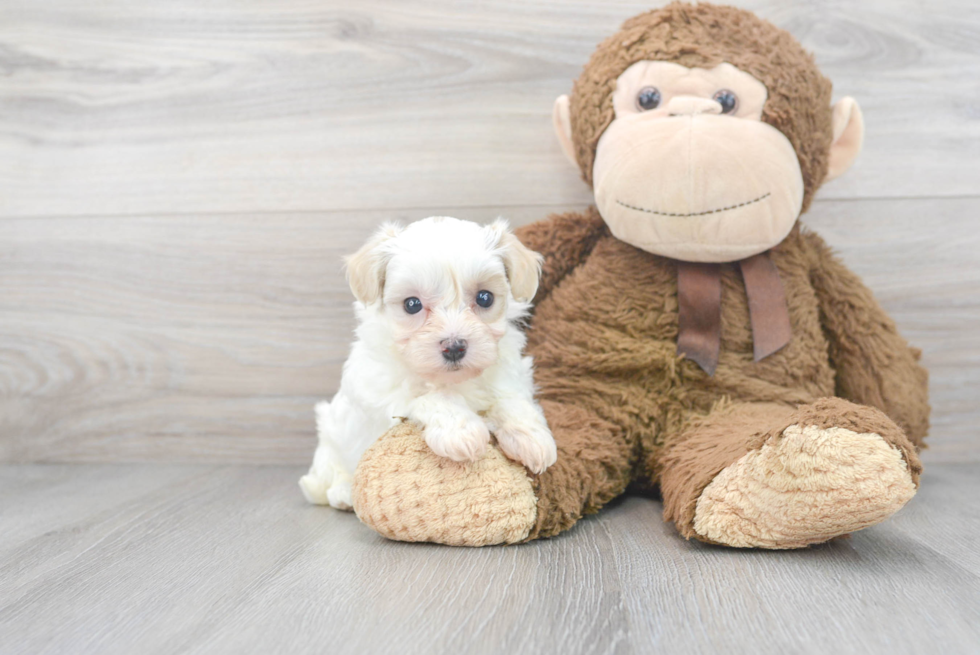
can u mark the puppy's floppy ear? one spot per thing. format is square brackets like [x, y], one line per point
[523, 264]
[366, 267]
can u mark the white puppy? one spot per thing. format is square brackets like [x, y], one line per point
[437, 344]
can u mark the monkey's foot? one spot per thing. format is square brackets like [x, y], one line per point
[806, 486]
[408, 493]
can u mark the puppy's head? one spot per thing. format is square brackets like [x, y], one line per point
[447, 290]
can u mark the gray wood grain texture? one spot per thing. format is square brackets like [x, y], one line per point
[209, 338]
[189, 559]
[277, 105]
[178, 183]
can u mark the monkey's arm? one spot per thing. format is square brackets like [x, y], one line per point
[875, 365]
[564, 240]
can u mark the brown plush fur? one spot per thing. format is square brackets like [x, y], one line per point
[882, 377]
[622, 404]
[704, 36]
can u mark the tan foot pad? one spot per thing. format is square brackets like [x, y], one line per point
[407, 493]
[806, 487]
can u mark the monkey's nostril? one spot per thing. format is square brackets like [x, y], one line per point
[453, 350]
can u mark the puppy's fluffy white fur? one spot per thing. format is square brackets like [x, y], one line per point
[399, 366]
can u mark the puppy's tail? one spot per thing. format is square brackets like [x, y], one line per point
[322, 412]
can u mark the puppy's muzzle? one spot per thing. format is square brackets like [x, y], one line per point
[454, 350]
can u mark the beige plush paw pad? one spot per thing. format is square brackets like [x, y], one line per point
[805, 487]
[407, 493]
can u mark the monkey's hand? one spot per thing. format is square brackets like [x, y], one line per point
[875, 365]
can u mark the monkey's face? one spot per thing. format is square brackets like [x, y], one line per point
[688, 170]
[699, 160]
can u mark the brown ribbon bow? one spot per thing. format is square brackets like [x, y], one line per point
[699, 309]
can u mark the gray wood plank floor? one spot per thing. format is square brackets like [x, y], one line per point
[187, 559]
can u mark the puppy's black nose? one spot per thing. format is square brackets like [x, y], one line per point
[453, 350]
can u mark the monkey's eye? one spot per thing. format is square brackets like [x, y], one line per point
[484, 298]
[648, 98]
[413, 305]
[727, 100]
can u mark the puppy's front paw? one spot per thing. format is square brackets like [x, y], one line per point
[532, 445]
[460, 436]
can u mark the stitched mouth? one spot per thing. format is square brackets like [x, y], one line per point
[710, 211]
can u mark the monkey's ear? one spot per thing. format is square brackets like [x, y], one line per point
[561, 117]
[848, 136]
[523, 265]
[366, 267]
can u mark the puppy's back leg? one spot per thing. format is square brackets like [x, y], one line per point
[328, 481]
[316, 483]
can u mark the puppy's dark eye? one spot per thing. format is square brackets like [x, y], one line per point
[413, 305]
[648, 98]
[727, 100]
[484, 298]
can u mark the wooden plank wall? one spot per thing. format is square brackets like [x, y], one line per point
[179, 180]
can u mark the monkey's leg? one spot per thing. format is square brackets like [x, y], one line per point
[406, 492]
[768, 476]
[595, 464]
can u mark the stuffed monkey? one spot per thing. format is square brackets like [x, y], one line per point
[689, 334]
